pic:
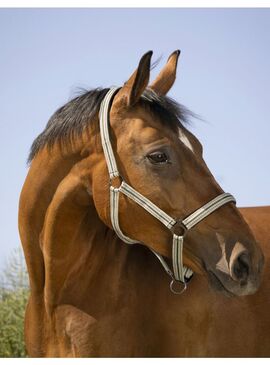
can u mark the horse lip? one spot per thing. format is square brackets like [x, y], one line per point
[218, 286]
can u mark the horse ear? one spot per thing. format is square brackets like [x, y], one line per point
[167, 75]
[130, 93]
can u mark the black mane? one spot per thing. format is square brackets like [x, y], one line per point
[72, 118]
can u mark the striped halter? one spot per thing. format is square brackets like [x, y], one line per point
[180, 274]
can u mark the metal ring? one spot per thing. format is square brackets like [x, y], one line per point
[118, 179]
[179, 282]
[179, 229]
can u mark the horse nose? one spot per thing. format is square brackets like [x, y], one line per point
[240, 268]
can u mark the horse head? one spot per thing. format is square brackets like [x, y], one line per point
[161, 159]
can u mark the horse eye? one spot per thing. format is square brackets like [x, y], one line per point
[158, 157]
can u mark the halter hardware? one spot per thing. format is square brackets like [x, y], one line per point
[183, 286]
[179, 228]
[116, 182]
[180, 274]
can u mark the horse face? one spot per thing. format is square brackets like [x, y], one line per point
[165, 164]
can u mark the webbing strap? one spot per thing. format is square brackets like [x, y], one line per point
[177, 254]
[180, 272]
[207, 209]
[114, 213]
[147, 205]
[104, 133]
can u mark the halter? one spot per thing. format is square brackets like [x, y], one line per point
[180, 273]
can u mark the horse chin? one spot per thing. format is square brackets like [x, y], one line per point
[217, 285]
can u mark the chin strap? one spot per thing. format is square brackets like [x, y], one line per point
[180, 272]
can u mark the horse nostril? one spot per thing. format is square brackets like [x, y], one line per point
[241, 268]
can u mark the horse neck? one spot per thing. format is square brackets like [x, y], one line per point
[89, 261]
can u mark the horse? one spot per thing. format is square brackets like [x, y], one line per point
[94, 295]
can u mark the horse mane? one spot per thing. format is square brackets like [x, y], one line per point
[71, 119]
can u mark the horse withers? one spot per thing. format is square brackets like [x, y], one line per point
[94, 295]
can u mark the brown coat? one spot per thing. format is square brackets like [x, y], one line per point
[93, 295]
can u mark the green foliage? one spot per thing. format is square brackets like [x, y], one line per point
[13, 299]
[12, 308]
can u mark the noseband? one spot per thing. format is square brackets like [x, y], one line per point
[180, 273]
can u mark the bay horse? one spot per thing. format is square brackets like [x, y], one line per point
[92, 295]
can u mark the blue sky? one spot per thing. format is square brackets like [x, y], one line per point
[223, 75]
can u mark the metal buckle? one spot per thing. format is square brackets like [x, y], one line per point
[184, 284]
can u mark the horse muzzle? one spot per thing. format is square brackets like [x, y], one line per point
[243, 276]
